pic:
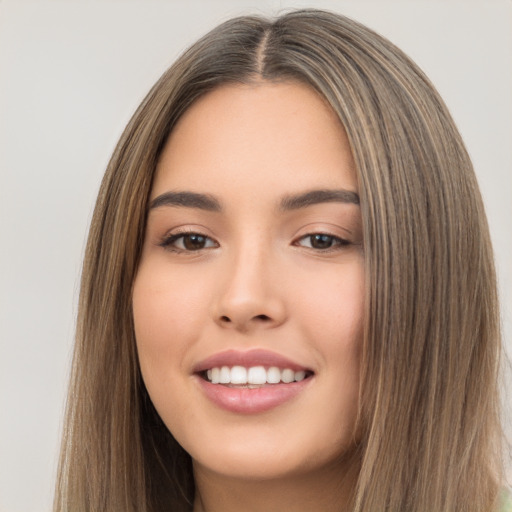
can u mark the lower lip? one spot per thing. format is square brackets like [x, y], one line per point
[252, 401]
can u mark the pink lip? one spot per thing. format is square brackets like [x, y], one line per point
[255, 357]
[252, 401]
[244, 400]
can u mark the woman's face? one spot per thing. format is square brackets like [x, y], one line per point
[248, 301]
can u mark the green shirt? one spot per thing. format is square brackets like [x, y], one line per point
[507, 502]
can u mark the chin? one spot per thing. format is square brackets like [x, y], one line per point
[260, 457]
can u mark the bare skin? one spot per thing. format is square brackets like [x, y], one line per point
[330, 490]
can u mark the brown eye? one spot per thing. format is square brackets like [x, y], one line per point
[321, 241]
[194, 242]
[188, 242]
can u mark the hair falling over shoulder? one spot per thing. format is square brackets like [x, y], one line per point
[429, 403]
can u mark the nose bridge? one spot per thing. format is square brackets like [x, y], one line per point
[249, 294]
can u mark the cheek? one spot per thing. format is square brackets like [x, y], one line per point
[332, 309]
[333, 320]
[167, 316]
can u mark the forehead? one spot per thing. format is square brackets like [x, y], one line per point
[281, 134]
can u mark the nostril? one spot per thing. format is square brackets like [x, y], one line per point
[262, 318]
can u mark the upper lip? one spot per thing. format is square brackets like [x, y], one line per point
[249, 358]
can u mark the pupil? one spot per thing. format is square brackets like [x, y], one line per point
[194, 242]
[321, 241]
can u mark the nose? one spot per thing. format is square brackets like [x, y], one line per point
[250, 298]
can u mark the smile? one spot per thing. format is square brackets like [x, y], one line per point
[251, 382]
[253, 376]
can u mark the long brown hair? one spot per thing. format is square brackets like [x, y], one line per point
[429, 405]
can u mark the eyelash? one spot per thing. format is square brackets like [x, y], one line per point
[336, 242]
[168, 242]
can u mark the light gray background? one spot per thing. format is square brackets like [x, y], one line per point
[71, 74]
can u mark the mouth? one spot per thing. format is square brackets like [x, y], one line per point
[253, 377]
[251, 382]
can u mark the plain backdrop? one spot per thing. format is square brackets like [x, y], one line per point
[72, 73]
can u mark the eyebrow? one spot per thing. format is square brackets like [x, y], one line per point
[292, 202]
[187, 200]
[312, 197]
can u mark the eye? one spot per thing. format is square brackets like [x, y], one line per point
[321, 241]
[188, 242]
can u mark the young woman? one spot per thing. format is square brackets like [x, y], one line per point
[288, 298]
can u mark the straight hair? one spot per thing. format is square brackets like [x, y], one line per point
[429, 402]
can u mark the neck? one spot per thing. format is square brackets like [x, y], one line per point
[330, 489]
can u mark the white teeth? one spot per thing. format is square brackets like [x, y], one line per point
[300, 375]
[287, 375]
[238, 375]
[273, 375]
[255, 375]
[224, 375]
